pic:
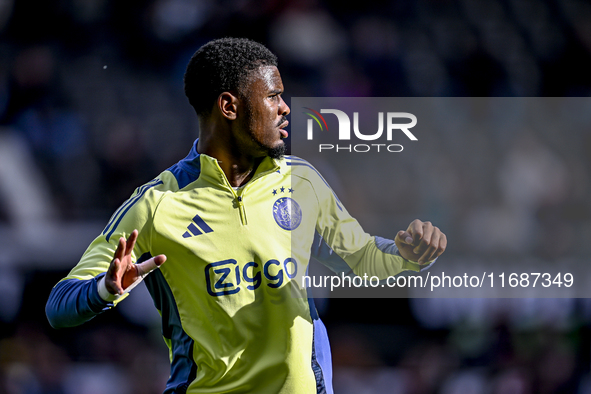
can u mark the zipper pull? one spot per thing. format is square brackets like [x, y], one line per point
[242, 211]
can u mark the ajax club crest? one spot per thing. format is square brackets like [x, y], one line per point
[287, 213]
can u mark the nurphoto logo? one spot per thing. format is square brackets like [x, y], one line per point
[344, 132]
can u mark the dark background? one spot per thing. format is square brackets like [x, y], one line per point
[91, 106]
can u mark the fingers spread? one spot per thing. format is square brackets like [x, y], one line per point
[113, 277]
[150, 265]
[131, 242]
[113, 271]
[121, 246]
[159, 260]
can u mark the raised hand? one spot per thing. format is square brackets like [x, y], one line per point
[421, 242]
[123, 274]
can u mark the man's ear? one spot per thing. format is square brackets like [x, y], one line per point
[228, 105]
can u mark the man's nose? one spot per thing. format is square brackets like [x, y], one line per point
[284, 108]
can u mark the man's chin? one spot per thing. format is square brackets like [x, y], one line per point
[277, 152]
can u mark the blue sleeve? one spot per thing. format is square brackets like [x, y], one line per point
[74, 301]
[389, 246]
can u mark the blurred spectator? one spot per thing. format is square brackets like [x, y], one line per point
[32, 81]
[37, 107]
[32, 364]
[511, 381]
[123, 161]
[175, 19]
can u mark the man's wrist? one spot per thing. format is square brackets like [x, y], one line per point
[428, 265]
[104, 292]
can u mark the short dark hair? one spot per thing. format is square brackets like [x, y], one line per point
[223, 65]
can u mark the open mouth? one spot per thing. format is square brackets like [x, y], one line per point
[282, 127]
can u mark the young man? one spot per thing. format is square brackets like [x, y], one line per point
[234, 313]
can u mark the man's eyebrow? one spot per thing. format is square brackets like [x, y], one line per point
[276, 91]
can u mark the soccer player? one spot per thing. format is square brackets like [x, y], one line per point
[232, 228]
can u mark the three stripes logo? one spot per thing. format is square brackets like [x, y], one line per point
[197, 227]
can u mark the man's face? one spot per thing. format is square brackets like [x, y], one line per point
[265, 113]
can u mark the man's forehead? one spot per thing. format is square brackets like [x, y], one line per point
[267, 76]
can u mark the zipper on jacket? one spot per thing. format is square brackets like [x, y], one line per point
[242, 210]
[240, 192]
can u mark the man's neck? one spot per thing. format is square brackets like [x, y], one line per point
[238, 172]
[239, 169]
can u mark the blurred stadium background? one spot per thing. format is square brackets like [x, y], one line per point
[91, 105]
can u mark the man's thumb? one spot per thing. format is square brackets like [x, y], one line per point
[150, 265]
[405, 237]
